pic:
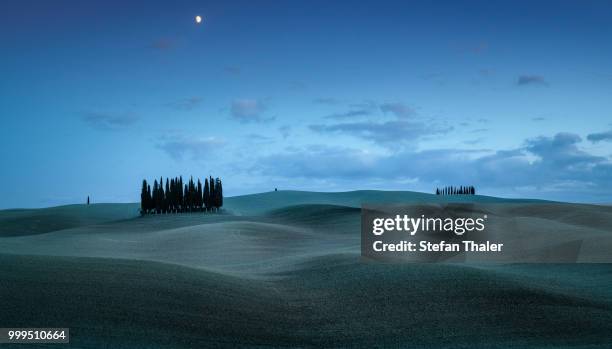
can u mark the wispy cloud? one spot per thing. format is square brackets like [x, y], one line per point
[249, 110]
[285, 131]
[473, 141]
[164, 44]
[600, 136]
[525, 80]
[400, 110]
[254, 137]
[186, 104]
[108, 121]
[472, 47]
[232, 70]
[177, 146]
[326, 101]
[348, 114]
[297, 85]
[388, 133]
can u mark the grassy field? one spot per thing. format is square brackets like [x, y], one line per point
[284, 269]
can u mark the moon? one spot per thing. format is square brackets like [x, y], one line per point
[198, 19]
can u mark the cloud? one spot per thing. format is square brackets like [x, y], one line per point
[561, 152]
[349, 114]
[186, 104]
[177, 147]
[317, 161]
[525, 80]
[541, 167]
[389, 133]
[249, 110]
[540, 118]
[432, 76]
[109, 121]
[297, 85]
[285, 131]
[400, 110]
[164, 44]
[254, 137]
[326, 101]
[473, 141]
[472, 47]
[601, 136]
[366, 105]
[232, 70]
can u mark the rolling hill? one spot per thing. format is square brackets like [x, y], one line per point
[283, 269]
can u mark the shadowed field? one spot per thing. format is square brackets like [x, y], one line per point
[283, 269]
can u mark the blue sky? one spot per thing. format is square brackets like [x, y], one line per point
[512, 97]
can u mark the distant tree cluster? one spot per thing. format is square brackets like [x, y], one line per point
[178, 197]
[461, 190]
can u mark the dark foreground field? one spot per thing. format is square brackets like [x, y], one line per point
[283, 269]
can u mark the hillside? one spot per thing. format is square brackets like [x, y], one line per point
[284, 269]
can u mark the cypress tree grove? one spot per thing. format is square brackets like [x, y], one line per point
[452, 190]
[178, 197]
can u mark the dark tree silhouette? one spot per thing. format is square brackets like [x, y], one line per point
[180, 197]
[212, 192]
[144, 202]
[452, 190]
[199, 195]
[218, 197]
[206, 195]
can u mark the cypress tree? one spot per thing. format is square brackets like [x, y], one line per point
[199, 195]
[212, 192]
[219, 193]
[156, 196]
[206, 195]
[181, 194]
[166, 192]
[172, 193]
[215, 198]
[175, 195]
[149, 198]
[191, 195]
[143, 197]
[185, 198]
